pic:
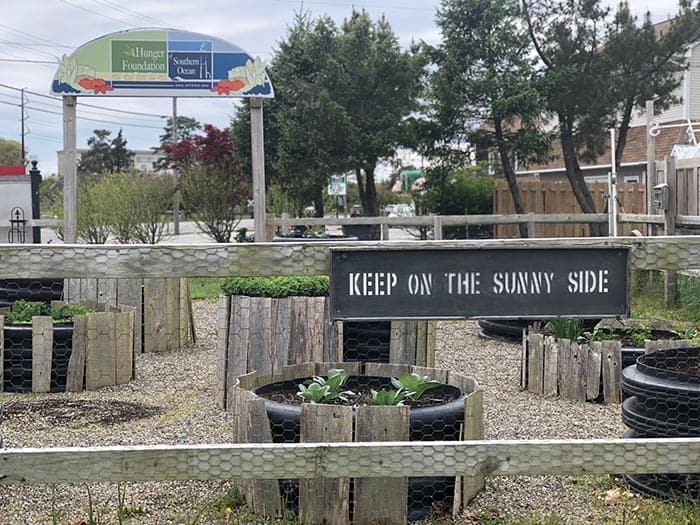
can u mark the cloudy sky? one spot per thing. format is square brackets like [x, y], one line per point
[35, 33]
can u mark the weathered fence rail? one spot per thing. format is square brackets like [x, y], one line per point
[221, 260]
[531, 220]
[271, 461]
[337, 460]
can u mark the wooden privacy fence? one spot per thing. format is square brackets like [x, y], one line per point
[264, 334]
[556, 197]
[163, 307]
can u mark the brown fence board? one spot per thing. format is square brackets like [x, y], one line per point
[259, 344]
[593, 370]
[325, 500]
[381, 500]
[100, 352]
[124, 345]
[473, 431]
[76, 362]
[556, 197]
[42, 353]
[535, 363]
[281, 333]
[612, 371]
[265, 492]
[550, 385]
[222, 352]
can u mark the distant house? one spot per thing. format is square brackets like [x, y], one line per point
[678, 126]
[143, 159]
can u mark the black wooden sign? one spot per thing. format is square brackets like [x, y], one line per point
[484, 283]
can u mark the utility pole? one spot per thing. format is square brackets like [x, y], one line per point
[22, 119]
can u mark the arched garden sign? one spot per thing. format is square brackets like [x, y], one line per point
[160, 63]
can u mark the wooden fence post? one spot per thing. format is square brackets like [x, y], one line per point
[42, 352]
[671, 276]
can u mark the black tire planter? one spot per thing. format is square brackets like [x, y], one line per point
[663, 486]
[17, 360]
[443, 421]
[663, 400]
[630, 354]
[35, 290]
[366, 341]
[511, 330]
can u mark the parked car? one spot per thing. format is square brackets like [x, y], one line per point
[403, 210]
[388, 209]
[356, 210]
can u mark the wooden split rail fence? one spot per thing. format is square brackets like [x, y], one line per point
[327, 460]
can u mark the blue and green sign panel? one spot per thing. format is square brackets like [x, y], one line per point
[158, 63]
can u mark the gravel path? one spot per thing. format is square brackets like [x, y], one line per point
[172, 402]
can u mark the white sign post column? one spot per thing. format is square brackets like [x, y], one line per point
[70, 185]
[258, 162]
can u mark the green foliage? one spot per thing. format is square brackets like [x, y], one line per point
[10, 152]
[386, 397]
[22, 312]
[131, 207]
[570, 329]
[320, 389]
[638, 333]
[414, 385]
[214, 189]
[459, 192]
[279, 286]
[104, 155]
[484, 90]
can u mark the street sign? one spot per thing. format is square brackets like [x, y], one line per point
[483, 283]
[161, 63]
[337, 185]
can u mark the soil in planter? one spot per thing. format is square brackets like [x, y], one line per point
[361, 388]
[442, 420]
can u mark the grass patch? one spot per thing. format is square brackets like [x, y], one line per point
[647, 297]
[204, 287]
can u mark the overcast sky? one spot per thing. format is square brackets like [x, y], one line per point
[34, 33]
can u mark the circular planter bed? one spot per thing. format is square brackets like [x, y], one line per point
[438, 419]
[17, 357]
[663, 400]
[437, 415]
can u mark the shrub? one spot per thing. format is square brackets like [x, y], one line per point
[277, 287]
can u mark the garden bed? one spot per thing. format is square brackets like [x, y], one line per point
[447, 411]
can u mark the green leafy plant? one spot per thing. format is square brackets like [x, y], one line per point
[324, 389]
[22, 312]
[280, 286]
[387, 397]
[414, 385]
[637, 333]
[570, 329]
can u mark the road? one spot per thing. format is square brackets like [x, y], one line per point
[190, 234]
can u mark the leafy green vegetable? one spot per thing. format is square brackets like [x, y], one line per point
[22, 312]
[414, 384]
[387, 397]
[321, 389]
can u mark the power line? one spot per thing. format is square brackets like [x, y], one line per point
[30, 61]
[127, 11]
[82, 104]
[125, 124]
[97, 13]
